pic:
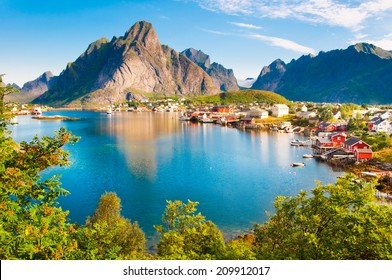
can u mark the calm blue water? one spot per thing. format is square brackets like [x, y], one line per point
[148, 158]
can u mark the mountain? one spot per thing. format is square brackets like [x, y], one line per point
[359, 74]
[223, 78]
[109, 71]
[32, 89]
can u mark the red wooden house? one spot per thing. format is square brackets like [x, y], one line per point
[221, 109]
[326, 126]
[338, 139]
[361, 149]
[334, 140]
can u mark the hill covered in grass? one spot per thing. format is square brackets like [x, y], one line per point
[243, 96]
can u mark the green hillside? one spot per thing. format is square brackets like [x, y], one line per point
[242, 96]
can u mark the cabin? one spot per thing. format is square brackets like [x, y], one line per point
[355, 143]
[280, 110]
[247, 120]
[257, 114]
[221, 109]
[338, 139]
[363, 154]
[361, 149]
[324, 142]
[327, 126]
[305, 114]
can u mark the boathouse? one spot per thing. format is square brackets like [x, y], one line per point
[361, 149]
[363, 154]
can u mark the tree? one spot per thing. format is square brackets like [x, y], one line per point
[32, 225]
[241, 248]
[341, 221]
[108, 235]
[352, 125]
[325, 113]
[186, 235]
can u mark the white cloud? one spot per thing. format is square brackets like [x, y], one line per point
[384, 42]
[245, 25]
[216, 32]
[347, 14]
[282, 43]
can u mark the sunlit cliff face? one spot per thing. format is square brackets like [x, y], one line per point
[139, 136]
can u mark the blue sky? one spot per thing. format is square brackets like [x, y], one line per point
[243, 35]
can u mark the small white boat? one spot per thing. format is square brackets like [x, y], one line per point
[298, 143]
[307, 156]
[109, 111]
[297, 164]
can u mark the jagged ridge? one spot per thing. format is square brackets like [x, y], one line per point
[358, 74]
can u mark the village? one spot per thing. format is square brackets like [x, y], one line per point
[332, 128]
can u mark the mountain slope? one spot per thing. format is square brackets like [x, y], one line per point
[358, 74]
[109, 71]
[222, 77]
[32, 89]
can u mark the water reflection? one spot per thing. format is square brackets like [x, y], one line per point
[138, 135]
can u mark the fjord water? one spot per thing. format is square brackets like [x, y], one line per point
[148, 158]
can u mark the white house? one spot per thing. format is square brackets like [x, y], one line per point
[305, 115]
[382, 126]
[258, 114]
[280, 110]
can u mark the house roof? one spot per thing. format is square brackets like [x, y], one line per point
[351, 141]
[379, 121]
[281, 106]
[338, 133]
[247, 119]
[375, 119]
[324, 140]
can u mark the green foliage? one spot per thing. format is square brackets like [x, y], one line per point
[108, 235]
[378, 141]
[341, 221]
[325, 113]
[347, 109]
[241, 248]
[186, 235]
[32, 225]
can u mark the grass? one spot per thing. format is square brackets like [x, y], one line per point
[242, 96]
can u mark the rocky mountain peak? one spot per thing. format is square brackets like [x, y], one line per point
[223, 78]
[95, 46]
[198, 57]
[46, 77]
[371, 49]
[144, 33]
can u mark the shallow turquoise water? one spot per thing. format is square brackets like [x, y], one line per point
[148, 158]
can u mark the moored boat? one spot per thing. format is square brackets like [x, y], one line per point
[297, 164]
[297, 143]
[307, 156]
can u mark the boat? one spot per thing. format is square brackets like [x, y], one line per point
[109, 111]
[307, 156]
[297, 164]
[184, 118]
[298, 143]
